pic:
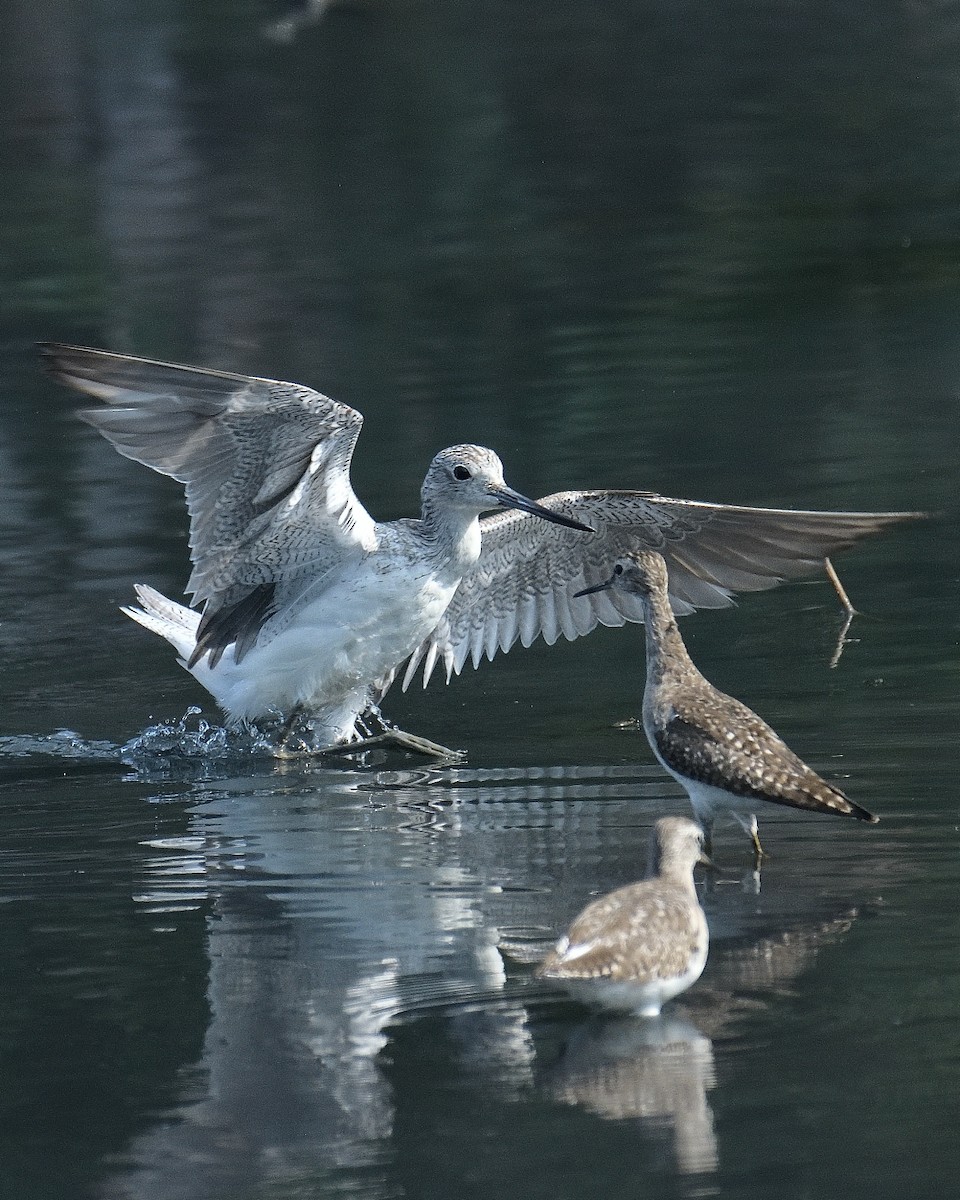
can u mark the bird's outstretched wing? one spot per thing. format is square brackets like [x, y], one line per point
[523, 585]
[266, 464]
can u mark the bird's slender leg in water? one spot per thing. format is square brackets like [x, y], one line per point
[839, 588]
[376, 731]
[283, 749]
[849, 611]
[393, 736]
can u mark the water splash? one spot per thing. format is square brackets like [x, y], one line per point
[193, 737]
[186, 748]
[62, 743]
[177, 747]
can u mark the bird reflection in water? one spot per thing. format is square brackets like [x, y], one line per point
[658, 1070]
[661, 1071]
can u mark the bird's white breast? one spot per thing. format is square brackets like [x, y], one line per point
[328, 654]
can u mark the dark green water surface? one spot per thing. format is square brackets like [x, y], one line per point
[712, 250]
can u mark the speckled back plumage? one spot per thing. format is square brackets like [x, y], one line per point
[641, 932]
[700, 732]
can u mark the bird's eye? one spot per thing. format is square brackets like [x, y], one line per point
[618, 569]
[461, 473]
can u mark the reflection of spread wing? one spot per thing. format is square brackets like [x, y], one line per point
[524, 582]
[642, 932]
[266, 466]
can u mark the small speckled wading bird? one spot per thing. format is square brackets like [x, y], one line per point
[720, 751]
[638, 947]
[309, 607]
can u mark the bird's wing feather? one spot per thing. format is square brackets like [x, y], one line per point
[730, 747]
[641, 932]
[266, 464]
[523, 585]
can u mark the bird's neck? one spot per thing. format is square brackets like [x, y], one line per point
[669, 866]
[666, 653]
[453, 535]
[676, 871]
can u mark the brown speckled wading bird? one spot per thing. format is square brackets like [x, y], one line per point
[638, 947]
[726, 757]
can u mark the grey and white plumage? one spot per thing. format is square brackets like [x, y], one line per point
[526, 582]
[723, 754]
[282, 547]
[639, 946]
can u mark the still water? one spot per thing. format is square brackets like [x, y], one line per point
[711, 250]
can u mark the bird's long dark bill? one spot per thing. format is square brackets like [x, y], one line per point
[597, 587]
[508, 498]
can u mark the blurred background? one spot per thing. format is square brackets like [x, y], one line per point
[706, 249]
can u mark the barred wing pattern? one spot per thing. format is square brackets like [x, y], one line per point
[266, 464]
[523, 585]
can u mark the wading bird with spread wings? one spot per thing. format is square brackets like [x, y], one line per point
[307, 607]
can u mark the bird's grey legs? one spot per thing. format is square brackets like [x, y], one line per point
[284, 749]
[374, 731]
[401, 740]
[378, 731]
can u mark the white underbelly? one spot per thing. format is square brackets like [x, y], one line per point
[328, 656]
[708, 801]
[644, 997]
